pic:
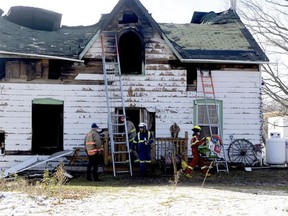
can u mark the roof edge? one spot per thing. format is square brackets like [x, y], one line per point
[27, 55]
[222, 61]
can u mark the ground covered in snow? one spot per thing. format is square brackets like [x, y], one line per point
[260, 192]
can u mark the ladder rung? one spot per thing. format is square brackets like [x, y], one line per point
[117, 124]
[119, 143]
[116, 115]
[122, 171]
[120, 152]
[121, 162]
[207, 85]
[122, 133]
[110, 54]
[111, 71]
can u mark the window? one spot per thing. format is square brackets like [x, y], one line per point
[131, 52]
[191, 78]
[128, 17]
[55, 68]
[2, 68]
[201, 116]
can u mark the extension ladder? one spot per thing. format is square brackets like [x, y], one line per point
[119, 142]
[209, 94]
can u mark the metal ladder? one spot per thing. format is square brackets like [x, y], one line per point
[209, 93]
[121, 159]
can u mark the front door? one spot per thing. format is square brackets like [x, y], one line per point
[47, 126]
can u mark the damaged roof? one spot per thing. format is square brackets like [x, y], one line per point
[210, 36]
[66, 42]
[214, 36]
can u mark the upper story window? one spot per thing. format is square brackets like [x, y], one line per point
[191, 78]
[55, 68]
[128, 17]
[131, 52]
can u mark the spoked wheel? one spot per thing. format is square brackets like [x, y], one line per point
[241, 151]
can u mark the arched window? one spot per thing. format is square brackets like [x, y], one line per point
[131, 52]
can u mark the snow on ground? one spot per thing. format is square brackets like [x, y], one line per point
[150, 200]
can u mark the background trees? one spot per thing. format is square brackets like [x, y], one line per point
[268, 22]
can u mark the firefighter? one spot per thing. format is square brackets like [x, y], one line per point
[197, 159]
[94, 149]
[131, 134]
[144, 140]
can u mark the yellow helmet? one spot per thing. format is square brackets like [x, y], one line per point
[196, 128]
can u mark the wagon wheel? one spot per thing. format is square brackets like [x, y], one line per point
[242, 151]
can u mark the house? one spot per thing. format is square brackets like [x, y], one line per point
[48, 101]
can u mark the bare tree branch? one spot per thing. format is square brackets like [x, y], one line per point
[268, 21]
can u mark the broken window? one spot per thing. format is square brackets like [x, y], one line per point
[2, 68]
[131, 53]
[191, 78]
[55, 67]
[128, 17]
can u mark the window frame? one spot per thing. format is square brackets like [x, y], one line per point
[219, 104]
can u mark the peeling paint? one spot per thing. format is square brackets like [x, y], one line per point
[80, 111]
[87, 89]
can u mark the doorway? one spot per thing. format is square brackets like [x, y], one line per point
[137, 115]
[47, 126]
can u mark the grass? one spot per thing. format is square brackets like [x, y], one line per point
[57, 184]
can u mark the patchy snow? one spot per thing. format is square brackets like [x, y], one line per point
[152, 200]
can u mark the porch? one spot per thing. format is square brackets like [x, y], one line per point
[162, 148]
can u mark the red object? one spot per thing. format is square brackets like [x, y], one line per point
[197, 159]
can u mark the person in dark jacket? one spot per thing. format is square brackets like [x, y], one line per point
[94, 149]
[144, 139]
[131, 130]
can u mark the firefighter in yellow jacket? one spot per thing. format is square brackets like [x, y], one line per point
[94, 149]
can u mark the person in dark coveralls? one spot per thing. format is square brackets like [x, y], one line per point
[94, 149]
[131, 134]
[144, 139]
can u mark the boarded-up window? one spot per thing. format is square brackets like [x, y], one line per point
[15, 69]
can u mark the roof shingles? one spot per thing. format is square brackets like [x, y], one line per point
[66, 42]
